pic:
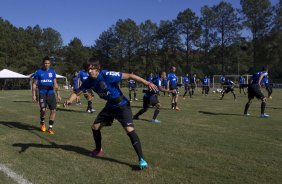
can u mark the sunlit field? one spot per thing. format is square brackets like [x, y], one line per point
[207, 141]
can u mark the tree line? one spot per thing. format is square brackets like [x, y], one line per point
[212, 43]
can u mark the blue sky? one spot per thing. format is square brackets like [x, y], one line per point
[87, 19]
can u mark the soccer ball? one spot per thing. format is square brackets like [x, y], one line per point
[213, 91]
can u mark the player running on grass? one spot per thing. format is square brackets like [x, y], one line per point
[105, 84]
[254, 91]
[45, 80]
[151, 98]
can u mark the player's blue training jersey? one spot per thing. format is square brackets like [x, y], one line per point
[106, 86]
[150, 78]
[193, 80]
[83, 75]
[205, 81]
[171, 77]
[257, 75]
[157, 81]
[45, 80]
[228, 83]
[186, 80]
[131, 83]
[241, 80]
[75, 82]
[222, 79]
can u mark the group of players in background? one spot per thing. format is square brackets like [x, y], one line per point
[106, 84]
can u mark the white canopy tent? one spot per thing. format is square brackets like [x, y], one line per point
[8, 74]
[12, 80]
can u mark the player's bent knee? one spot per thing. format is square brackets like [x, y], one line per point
[129, 129]
[96, 126]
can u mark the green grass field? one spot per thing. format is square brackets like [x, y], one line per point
[208, 141]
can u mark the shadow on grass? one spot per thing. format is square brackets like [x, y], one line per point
[71, 148]
[76, 149]
[19, 125]
[70, 110]
[220, 113]
[23, 101]
[140, 107]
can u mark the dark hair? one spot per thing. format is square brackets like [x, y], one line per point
[45, 58]
[91, 62]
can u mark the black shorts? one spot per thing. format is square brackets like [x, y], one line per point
[151, 100]
[254, 91]
[49, 100]
[88, 92]
[132, 88]
[172, 86]
[187, 87]
[122, 114]
[228, 89]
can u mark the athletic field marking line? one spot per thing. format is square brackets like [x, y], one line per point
[17, 178]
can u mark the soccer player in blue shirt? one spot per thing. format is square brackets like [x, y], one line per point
[164, 82]
[254, 90]
[187, 87]
[75, 86]
[172, 84]
[106, 84]
[205, 87]
[150, 98]
[193, 83]
[267, 86]
[132, 87]
[242, 84]
[46, 82]
[88, 94]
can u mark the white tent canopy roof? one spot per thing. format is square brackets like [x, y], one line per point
[8, 74]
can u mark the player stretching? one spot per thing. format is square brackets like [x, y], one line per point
[150, 98]
[254, 91]
[45, 80]
[105, 84]
[228, 86]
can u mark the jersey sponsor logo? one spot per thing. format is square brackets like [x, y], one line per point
[46, 80]
[113, 73]
[103, 94]
[50, 75]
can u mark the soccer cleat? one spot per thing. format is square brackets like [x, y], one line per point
[42, 127]
[177, 108]
[247, 114]
[155, 121]
[270, 97]
[96, 152]
[264, 115]
[93, 110]
[135, 99]
[143, 164]
[50, 131]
